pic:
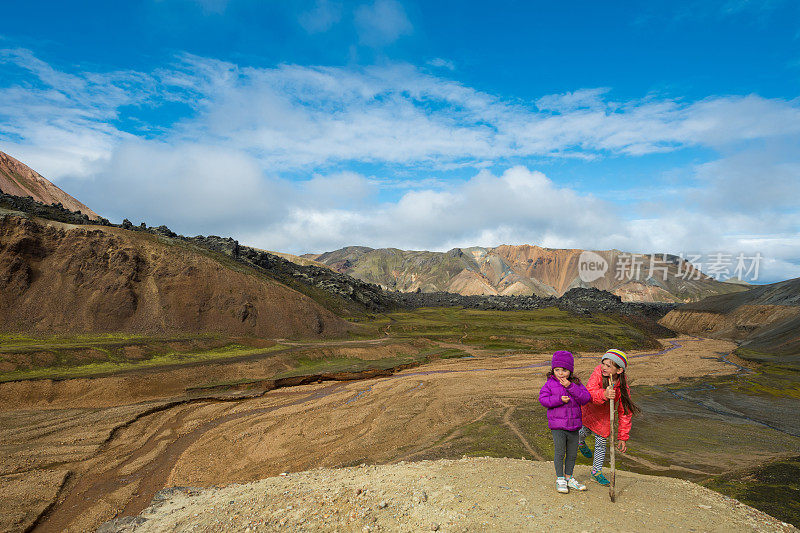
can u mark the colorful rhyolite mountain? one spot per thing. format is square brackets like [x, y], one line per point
[525, 270]
[18, 179]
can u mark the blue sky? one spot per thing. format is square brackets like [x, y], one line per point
[310, 125]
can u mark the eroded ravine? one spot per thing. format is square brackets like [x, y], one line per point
[107, 475]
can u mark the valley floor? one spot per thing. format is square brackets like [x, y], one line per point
[70, 466]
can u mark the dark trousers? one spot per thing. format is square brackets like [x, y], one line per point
[566, 450]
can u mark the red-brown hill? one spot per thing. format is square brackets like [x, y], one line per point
[20, 180]
[764, 319]
[56, 277]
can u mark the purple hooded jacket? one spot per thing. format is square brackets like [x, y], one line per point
[562, 415]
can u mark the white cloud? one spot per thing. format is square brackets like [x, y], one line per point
[208, 190]
[62, 122]
[190, 188]
[522, 206]
[763, 179]
[381, 23]
[303, 118]
[519, 205]
[208, 7]
[321, 17]
[438, 62]
[580, 99]
[341, 189]
[308, 116]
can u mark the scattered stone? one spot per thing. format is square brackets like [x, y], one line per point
[169, 492]
[123, 524]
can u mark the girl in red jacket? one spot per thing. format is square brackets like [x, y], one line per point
[596, 418]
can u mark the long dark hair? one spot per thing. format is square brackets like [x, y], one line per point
[628, 407]
[572, 377]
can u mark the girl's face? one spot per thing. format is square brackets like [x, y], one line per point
[608, 368]
[561, 373]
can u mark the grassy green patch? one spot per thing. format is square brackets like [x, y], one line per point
[17, 341]
[499, 344]
[487, 437]
[444, 353]
[768, 379]
[310, 366]
[772, 379]
[491, 437]
[531, 419]
[541, 329]
[773, 488]
[113, 363]
[791, 358]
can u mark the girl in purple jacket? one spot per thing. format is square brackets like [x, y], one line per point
[563, 394]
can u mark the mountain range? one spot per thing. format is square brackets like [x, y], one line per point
[502, 270]
[528, 270]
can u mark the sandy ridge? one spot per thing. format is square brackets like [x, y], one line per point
[470, 494]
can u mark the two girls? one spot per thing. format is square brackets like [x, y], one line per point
[573, 411]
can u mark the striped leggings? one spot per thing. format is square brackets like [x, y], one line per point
[599, 447]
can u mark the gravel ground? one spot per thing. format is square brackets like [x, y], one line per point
[470, 494]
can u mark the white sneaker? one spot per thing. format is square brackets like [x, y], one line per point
[575, 484]
[561, 485]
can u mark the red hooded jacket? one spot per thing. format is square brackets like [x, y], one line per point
[595, 413]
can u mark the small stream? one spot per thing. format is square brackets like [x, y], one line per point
[673, 346]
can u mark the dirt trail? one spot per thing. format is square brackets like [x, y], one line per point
[653, 466]
[513, 427]
[382, 420]
[474, 351]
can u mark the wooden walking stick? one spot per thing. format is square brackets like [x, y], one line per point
[612, 439]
